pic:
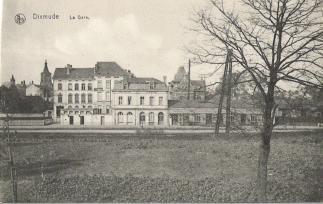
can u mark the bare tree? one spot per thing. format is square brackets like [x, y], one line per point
[272, 41]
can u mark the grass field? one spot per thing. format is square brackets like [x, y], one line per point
[196, 168]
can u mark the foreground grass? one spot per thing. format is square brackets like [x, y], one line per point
[166, 169]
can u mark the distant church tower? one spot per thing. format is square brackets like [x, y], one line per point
[46, 77]
[12, 81]
[46, 82]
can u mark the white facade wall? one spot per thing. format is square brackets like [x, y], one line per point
[71, 109]
[135, 108]
[65, 92]
[104, 108]
[103, 101]
[33, 90]
[89, 119]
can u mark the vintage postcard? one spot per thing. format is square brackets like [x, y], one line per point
[163, 101]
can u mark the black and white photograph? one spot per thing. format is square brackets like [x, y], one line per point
[161, 101]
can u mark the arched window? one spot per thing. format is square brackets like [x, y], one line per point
[89, 98]
[83, 98]
[83, 87]
[60, 98]
[129, 118]
[160, 118]
[70, 98]
[77, 98]
[99, 110]
[59, 86]
[76, 87]
[151, 118]
[89, 86]
[120, 117]
[142, 118]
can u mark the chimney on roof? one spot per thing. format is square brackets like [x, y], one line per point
[165, 79]
[68, 68]
[32, 82]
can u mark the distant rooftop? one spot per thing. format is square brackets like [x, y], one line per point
[139, 84]
[75, 73]
[109, 69]
[106, 69]
[180, 74]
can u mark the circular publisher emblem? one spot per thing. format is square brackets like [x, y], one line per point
[20, 18]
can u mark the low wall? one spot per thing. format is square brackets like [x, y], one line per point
[26, 119]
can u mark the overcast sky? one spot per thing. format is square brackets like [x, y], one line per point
[146, 36]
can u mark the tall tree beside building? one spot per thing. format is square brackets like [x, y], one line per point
[12, 102]
[9, 99]
[273, 41]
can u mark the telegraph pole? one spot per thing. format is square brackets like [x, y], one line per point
[229, 85]
[189, 80]
[219, 115]
[225, 90]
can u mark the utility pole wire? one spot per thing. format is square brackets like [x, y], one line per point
[212, 73]
[189, 80]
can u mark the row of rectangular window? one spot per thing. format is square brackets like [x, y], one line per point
[101, 94]
[83, 86]
[99, 111]
[95, 111]
[253, 118]
[142, 100]
[152, 85]
[107, 84]
[76, 86]
[76, 98]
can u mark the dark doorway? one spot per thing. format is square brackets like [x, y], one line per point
[71, 120]
[174, 119]
[142, 118]
[186, 119]
[81, 120]
[58, 111]
[102, 120]
[208, 119]
[243, 119]
[160, 118]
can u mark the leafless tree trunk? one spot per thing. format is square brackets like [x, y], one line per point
[274, 41]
